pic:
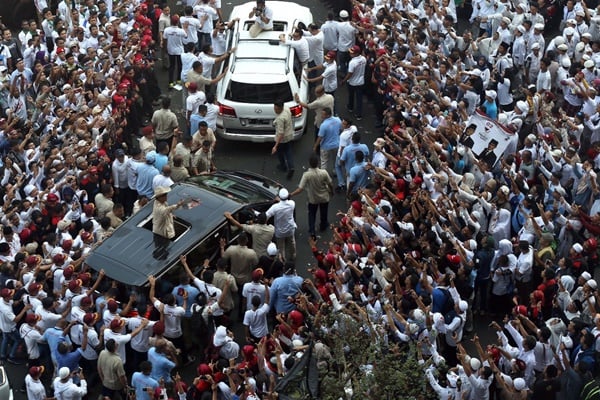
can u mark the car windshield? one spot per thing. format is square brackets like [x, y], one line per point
[259, 93]
[230, 188]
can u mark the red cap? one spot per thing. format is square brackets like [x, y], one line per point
[86, 236]
[86, 301]
[257, 274]
[68, 272]
[296, 317]
[88, 208]
[91, 318]
[52, 198]
[34, 288]
[204, 369]
[85, 278]
[158, 328]
[123, 85]
[592, 243]
[117, 323]
[112, 305]
[330, 258]
[381, 52]
[67, 244]
[58, 259]
[6, 292]
[24, 235]
[60, 50]
[521, 310]
[93, 170]
[74, 285]
[354, 49]
[321, 275]
[453, 258]
[248, 351]
[35, 372]
[118, 99]
[330, 54]
[147, 130]
[31, 261]
[192, 87]
[174, 19]
[32, 318]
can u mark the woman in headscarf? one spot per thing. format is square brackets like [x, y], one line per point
[500, 225]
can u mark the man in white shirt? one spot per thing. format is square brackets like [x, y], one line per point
[114, 332]
[263, 19]
[8, 325]
[285, 226]
[206, 13]
[174, 36]
[346, 37]
[356, 81]
[193, 26]
[330, 33]
[255, 319]
[300, 45]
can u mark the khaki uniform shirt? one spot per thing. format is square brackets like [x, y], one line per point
[111, 366]
[164, 122]
[318, 105]
[243, 260]
[284, 126]
[162, 219]
[317, 184]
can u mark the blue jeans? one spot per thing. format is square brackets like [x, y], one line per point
[284, 153]
[358, 92]
[312, 216]
[7, 337]
[339, 172]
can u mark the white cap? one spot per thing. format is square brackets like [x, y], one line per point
[569, 31]
[566, 63]
[559, 40]
[592, 284]
[539, 27]
[536, 45]
[343, 14]
[521, 29]
[589, 64]
[580, 13]
[531, 137]
[463, 306]
[587, 35]
[562, 47]
[64, 372]
[475, 363]
[586, 275]
[522, 106]
[519, 384]
[491, 94]
[272, 249]
[579, 47]
[418, 314]
[506, 20]
[504, 189]
[283, 194]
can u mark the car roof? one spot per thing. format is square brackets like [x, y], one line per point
[259, 72]
[127, 255]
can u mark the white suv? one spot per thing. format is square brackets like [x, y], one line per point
[259, 73]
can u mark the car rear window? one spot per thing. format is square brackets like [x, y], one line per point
[259, 93]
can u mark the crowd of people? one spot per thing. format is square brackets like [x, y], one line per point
[436, 235]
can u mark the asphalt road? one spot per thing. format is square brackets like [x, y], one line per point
[257, 158]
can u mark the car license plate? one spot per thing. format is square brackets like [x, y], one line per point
[256, 121]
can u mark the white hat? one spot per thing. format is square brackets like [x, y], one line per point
[580, 13]
[64, 372]
[566, 63]
[572, 21]
[536, 45]
[220, 336]
[475, 363]
[587, 35]
[522, 106]
[562, 47]
[589, 64]
[472, 244]
[521, 29]
[506, 20]
[579, 47]
[559, 40]
[272, 249]
[418, 314]
[569, 31]
[531, 137]
[283, 194]
[463, 306]
[539, 27]
[491, 94]
[343, 14]
[66, 86]
[159, 191]
[297, 343]
[556, 153]
[592, 284]
[380, 142]
[63, 224]
[586, 275]
[519, 384]
[476, 71]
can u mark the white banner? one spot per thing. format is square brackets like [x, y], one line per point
[482, 131]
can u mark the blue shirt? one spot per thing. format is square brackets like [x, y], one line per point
[195, 120]
[70, 360]
[161, 161]
[348, 154]
[329, 132]
[161, 365]
[140, 382]
[145, 174]
[53, 336]
[192, 291]
[491, 109]
[283, 287]
[359, 176]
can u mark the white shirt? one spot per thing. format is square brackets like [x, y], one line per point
[207, 64]
[174, 37]
[301, 48]
[192, 29]
[544, 81]
[119, 170]
[315, 48]
[284, 223]
[330, 82]
[7, 323]
[330, 35]
[356, 66]
[252, 289]
[93, 341]
[140, 342]
[256, 321]
[35, 388]
[205, 9]
[32, 338]
[346, 36]
[173, 315]
[121, 341]
[68, 390]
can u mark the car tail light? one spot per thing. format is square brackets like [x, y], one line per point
[296, 111]
[226, 111]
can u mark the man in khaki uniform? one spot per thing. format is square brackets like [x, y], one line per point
[284, 134]
[164, 122]
[321, 102]
[319, 189]
[162, 221]
[111, 370]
